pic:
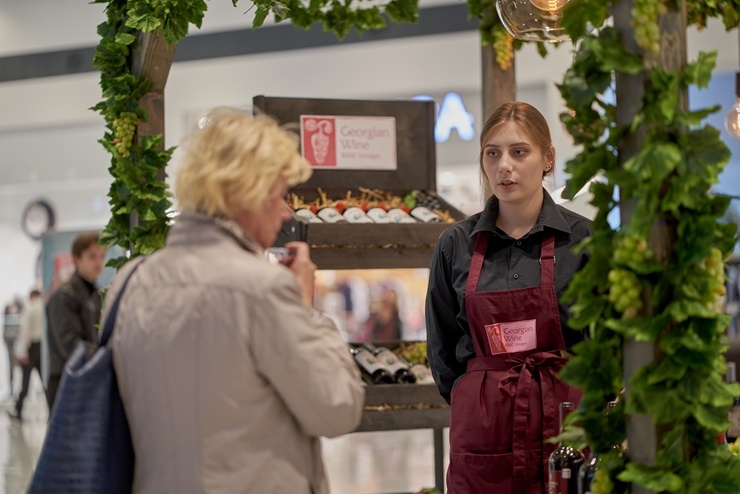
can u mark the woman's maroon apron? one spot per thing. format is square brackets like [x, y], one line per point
[507, 403]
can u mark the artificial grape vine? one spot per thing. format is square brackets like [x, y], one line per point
[503, 48]
[667, 297]
[124, 130]
[669, 181]
[645, 14]
[625, 292]
[139, 197]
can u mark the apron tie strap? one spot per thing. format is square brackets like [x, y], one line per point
[517, 383]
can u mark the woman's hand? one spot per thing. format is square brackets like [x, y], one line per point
[303, 268]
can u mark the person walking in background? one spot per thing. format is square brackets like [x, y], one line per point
[11, 326]
[73, 310]
[27, 348]
[495, 317]
[227, 373]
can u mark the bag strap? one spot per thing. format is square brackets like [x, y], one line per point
[110, 321]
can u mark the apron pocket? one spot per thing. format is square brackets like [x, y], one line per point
[477, 474]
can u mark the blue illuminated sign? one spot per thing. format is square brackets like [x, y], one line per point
[452, 114]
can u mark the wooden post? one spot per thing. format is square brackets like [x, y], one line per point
[151, 60]
[642, 434]
[498, 87]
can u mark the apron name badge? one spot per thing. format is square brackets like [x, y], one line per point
[511, 337]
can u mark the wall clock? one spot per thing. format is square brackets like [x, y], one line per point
[37, 219]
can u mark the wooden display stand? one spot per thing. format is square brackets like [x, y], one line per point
[393, 407]
[388, 407]
[368, 246]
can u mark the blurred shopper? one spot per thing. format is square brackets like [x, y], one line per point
[27, 348]
[11, 326]
[385, 322]
[227, 374]
[73, 310]
[494, 315]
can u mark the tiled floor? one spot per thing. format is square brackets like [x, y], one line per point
[361, 463]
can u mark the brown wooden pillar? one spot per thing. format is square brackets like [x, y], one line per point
[642, 435]
[151, 60]
[498, 85]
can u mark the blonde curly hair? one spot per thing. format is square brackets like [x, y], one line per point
[232, 162]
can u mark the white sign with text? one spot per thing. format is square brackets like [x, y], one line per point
[343, 142]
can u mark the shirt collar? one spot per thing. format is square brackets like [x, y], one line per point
[549, 217]
[189, 226]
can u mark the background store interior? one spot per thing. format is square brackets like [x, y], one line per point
[49, 148]
[48, 135]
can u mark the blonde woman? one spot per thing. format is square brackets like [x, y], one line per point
[227, 374]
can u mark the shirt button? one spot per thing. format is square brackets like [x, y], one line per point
[519, 242]
[516, 276]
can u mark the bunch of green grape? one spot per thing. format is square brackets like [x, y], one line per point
[712, 273]
[601, 483]
[734, 447]
[415, 353]
[624, 292]
[124, 128]
[630, 250]
[503, 47]
[644, 20]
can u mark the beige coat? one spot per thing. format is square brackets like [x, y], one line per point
[227, 379]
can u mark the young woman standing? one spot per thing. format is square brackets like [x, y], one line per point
[496, 325]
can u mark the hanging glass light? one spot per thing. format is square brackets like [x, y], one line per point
[533, 20]
[732, 119]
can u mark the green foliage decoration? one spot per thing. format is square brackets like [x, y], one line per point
[663, 290]
[138, 162]
[667, 182]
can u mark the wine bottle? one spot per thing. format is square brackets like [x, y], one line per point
[586, 474]
[398, 215]
[308, 215]
[378, 215]
[331, 215]
[422, 374]
[394, 364]
[564, 462]
[587, 471]
[425, 215]
[356, 215]
[371, 368]
[734, 413]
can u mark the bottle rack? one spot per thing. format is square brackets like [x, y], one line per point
[388, 407]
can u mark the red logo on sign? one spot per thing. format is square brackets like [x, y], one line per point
[319, 141]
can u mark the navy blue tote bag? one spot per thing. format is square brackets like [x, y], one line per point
[87, 448]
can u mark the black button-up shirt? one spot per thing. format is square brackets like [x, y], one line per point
[509, 264]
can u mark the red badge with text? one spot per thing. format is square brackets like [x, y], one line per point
[512, 337]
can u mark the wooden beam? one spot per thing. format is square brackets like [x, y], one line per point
[152, 60]
[642, 435]
[498, 87]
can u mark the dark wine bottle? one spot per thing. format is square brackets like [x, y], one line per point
[395, 365]
[373, 370]
[734, 414]
[425, 215]
[586, 474]
[588, 470]
[564, 462]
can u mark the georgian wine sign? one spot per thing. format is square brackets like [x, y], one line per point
[349, 142]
